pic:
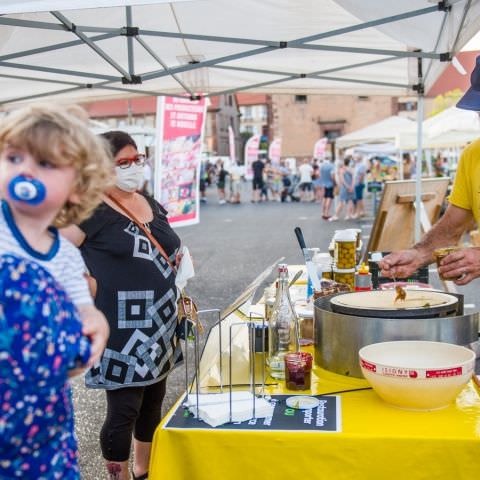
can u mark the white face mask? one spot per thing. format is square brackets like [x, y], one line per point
[130, 179]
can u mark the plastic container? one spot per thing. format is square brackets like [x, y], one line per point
[345, 276]
[345, 249]
[323, 262]
[363, 279]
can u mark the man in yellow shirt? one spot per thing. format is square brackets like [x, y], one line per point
[463, 265]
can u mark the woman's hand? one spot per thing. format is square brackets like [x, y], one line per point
[178, 259]
[95, 327]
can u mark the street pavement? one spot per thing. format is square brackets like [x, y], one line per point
[231, 246]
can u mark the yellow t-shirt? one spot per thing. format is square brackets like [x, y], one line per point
[466, 189]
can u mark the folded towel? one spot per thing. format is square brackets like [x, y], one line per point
[214, 408]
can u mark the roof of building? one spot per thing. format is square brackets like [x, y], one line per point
[244, 99]
[451, 79]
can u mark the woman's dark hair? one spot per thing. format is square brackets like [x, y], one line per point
[118, 140]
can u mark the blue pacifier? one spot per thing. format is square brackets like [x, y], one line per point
[27, 189]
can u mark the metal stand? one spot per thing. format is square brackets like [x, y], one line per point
[250, 325]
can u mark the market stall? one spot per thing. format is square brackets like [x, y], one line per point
[352, 434]
[350, 431]
[382, 132]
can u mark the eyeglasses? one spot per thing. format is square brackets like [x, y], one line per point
[126, 162]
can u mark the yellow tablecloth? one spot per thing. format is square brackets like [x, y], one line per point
[376, 442]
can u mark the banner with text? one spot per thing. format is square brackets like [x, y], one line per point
[180, 126]
[231, 145]
[251, 154]
[275, 151]
[320, 148]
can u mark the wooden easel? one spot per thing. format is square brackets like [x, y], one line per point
[393, 228]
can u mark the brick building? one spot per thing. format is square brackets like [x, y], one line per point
[300, 120]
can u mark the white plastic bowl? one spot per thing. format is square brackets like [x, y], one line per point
[417, 375]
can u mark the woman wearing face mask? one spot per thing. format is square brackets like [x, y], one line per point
[136, 292]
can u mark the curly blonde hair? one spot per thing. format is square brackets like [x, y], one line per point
[61, 135]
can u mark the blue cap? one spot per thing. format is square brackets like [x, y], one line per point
[471, 98]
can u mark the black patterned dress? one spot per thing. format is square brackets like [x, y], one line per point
[136, 292]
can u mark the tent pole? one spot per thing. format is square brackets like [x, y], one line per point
[418, 176]
[400, 163]
[131, 61]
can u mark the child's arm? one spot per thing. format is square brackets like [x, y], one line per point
[95, 326]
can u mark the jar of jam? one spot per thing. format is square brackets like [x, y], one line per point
[298, 370]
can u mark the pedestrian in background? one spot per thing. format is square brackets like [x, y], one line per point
[346, 187]
[221, 181]
[360, 172]
[327, 177]
[306, 186]
[257, 183]
[317, 183]
[235, 175]
[203, 182]
[407, 166]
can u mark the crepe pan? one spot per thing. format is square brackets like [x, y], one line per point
[380, 304]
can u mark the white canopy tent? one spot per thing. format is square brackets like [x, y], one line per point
[375, 149]
[451, 128]
[77, 50]
[384, 131]
[218, 46]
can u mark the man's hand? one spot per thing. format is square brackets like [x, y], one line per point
[461, 266]
[95, 327]
[401, 264]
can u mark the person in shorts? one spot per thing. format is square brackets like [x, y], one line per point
[327, 177]
[258, 184]
[306, 185]
[359, 186]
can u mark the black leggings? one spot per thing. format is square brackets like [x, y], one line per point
[130, 410]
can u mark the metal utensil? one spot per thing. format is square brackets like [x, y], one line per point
[295, 278]
[307, 255]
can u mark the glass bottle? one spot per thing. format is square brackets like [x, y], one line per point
[283, 329]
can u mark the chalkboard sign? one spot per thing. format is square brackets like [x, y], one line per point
[326, 418]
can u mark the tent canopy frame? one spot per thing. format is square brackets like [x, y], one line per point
[135, 33]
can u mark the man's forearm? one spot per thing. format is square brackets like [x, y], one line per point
[447, 231]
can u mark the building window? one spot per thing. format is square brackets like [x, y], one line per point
[363, 98]
[407, 106]
[263, 112]
[332, 134]
[300, 99]
[247, 113]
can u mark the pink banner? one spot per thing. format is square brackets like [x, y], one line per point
[180, 125]
[320, 148]
[275, 151]
[251, 154]
[231, 144]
